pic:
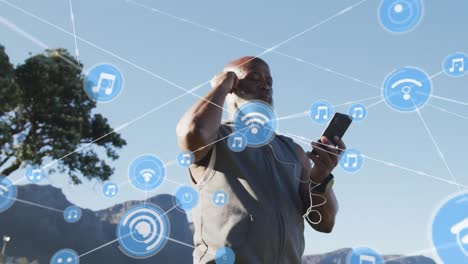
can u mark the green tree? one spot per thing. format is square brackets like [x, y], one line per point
[45, 115]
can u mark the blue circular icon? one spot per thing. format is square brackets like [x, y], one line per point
[186, 198]
[143, 231]
[364, 255]
[450, 230]
[65, 256]
[147, 172]
[35, 174]
[220, 198]
[103, 83]
[225, 255]
[321, 112]
[110, 189]
[407, 89]
[358, 112]
[400, 16]
[351, 160]
[72, 214]
[8, 193]
[257, 121]
[237, 142]
[456, 65]
[185, 158]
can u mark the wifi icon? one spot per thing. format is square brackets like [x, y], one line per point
[257, 122]
[3, 190]
[407, 89]
[8, 194]
[147, 172]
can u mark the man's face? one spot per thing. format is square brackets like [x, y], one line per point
[255, 82]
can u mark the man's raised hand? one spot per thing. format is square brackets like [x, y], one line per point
[227, 80]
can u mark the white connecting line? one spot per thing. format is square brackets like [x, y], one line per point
[197, 87]
[157, 234]
[427, 250]
[447, 111]
[219, 32]
[72, 18]
[37, 205]
[307, 112]
[151, 73]
[33, 39]
[307, 141]
[450, 100]
[357, 101]
[441, 155]
[160, 77]
[266, 51]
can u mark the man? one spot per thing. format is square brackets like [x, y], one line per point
[268, 188]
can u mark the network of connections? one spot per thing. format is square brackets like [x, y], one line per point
[144, 230]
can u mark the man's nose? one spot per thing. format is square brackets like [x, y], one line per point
[265, 85]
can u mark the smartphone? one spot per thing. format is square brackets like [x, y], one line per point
[337, 127]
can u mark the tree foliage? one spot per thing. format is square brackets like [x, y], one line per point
[45, 115]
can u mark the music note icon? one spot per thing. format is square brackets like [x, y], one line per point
[353, 157]
[72, 214]
[219, 198]
[107, 79]
[320, 109]
[366, 259]
[111, 190]
[458, 63]
[357, 110]
[351, 161]
[239, 142]
[186, 159]
[35, 175]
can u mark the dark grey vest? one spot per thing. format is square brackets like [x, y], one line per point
[261, 220]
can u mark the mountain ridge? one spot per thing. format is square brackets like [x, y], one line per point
[37, 233]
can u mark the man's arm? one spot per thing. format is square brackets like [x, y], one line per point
[322, 217]
[198, 127]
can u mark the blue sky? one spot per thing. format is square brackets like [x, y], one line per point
[387, 208]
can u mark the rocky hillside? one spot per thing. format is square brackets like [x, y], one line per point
[37, 233]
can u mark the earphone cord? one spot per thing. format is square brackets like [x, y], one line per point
[312, 206]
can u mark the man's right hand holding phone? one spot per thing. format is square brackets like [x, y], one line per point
[327, 158]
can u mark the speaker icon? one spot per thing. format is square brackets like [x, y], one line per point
[400, 16]
[143, 231]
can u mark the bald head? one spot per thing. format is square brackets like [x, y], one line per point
[255, 81]
[245, 64]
